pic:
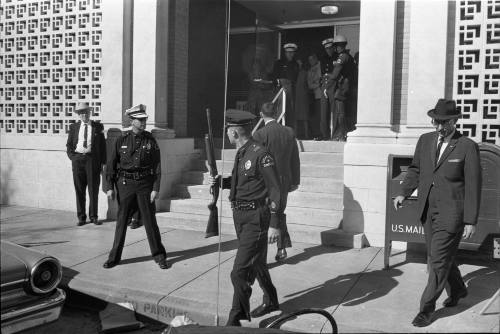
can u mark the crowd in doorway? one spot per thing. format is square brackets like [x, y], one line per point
[321, 89]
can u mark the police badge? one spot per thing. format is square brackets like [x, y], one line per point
[248, 164]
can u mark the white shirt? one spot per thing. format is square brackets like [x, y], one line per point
[269, 120]
[79, 145]
[446, 141]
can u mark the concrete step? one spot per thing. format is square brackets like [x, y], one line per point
[315, 158]
[300, 199]
[307, 184]
[321, 146]
[295, 215]
[298, 232]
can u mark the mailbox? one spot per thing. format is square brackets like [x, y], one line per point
[404, 225]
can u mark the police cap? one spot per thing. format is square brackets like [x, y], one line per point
[236, 117]
[327, 43]
[290, 47]
[138, 111]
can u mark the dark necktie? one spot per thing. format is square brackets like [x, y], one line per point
[438, 151]
[234, 177]
[85, 134]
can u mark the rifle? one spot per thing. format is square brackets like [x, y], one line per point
[213, 221]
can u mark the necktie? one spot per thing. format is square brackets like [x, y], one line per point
[438, 151]
[85, 134]
[234, 177]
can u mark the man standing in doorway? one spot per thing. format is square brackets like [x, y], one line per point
[447, 172]
[86, 148]
[134, 165]
[280, 141]
[327, 89]
[255, 200]
[344, 71]
[285, 73]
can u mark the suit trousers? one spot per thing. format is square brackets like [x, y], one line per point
[135, 195]
[442, 248]
[250, 261]
[86, 174]
[284, 241]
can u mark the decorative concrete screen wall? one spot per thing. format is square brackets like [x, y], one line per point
[50, 58]
[477, 79]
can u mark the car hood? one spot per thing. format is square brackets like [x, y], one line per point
[13, 268]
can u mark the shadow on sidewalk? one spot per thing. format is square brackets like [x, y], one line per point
[307, 254]
[183, 255]
[481, 285]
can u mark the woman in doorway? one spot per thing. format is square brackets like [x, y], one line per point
[302, 102]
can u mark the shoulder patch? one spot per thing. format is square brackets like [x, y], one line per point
[267, 160]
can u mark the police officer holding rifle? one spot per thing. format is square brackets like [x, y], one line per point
[255, 200]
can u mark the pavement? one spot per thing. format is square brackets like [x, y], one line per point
[351, 284]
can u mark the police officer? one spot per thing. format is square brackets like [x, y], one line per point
[327, 88]
[344, 70]
[255, 200]
[285, 73]
[138, 181]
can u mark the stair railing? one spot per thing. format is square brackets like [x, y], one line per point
[281, 94]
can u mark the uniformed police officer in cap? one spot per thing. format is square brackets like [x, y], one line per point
[134, 166]
[285, 73]
[327, 88]
[255, 200]
[344, 70]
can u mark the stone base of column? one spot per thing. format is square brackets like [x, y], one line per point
[163, 133]
[409, 134]
[373, 134]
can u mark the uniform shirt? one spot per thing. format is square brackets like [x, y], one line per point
[81, 135]
[343, 66]
[327, 63]
[134, 153]
[284, 69]
[254, 176]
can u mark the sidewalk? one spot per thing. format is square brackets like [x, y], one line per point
[349, 283]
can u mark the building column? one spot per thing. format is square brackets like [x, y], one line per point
[376, 71]
[150, 59]
[427, 65]
[112, 62]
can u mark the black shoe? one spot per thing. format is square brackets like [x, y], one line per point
[95, 221]
[109, 264]
[422, 319]
[135, 224]
[163, 264]
[280, 255]
[263, 309]
[453, 300]
[233, 322]
[81, 223]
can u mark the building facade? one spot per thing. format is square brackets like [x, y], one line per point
[170, 55]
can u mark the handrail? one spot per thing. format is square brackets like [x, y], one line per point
[282, 114]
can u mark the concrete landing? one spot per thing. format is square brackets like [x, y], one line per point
[349, 283]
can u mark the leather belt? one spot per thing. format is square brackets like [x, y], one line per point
[248, 205]
[137, 175]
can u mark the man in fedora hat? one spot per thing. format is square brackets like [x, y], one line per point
[86, 148]
[134, 166]
[447, 173]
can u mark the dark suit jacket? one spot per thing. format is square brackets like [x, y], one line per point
[456, 178]
[280, 142]
[98, 148]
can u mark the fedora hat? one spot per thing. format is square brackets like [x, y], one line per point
[82, 107]
[444, 109]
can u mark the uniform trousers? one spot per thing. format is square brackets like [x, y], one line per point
[86, 174]
[135, 195]
[251, 261]
[339, 125]
[327, 108]
[442, 248]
